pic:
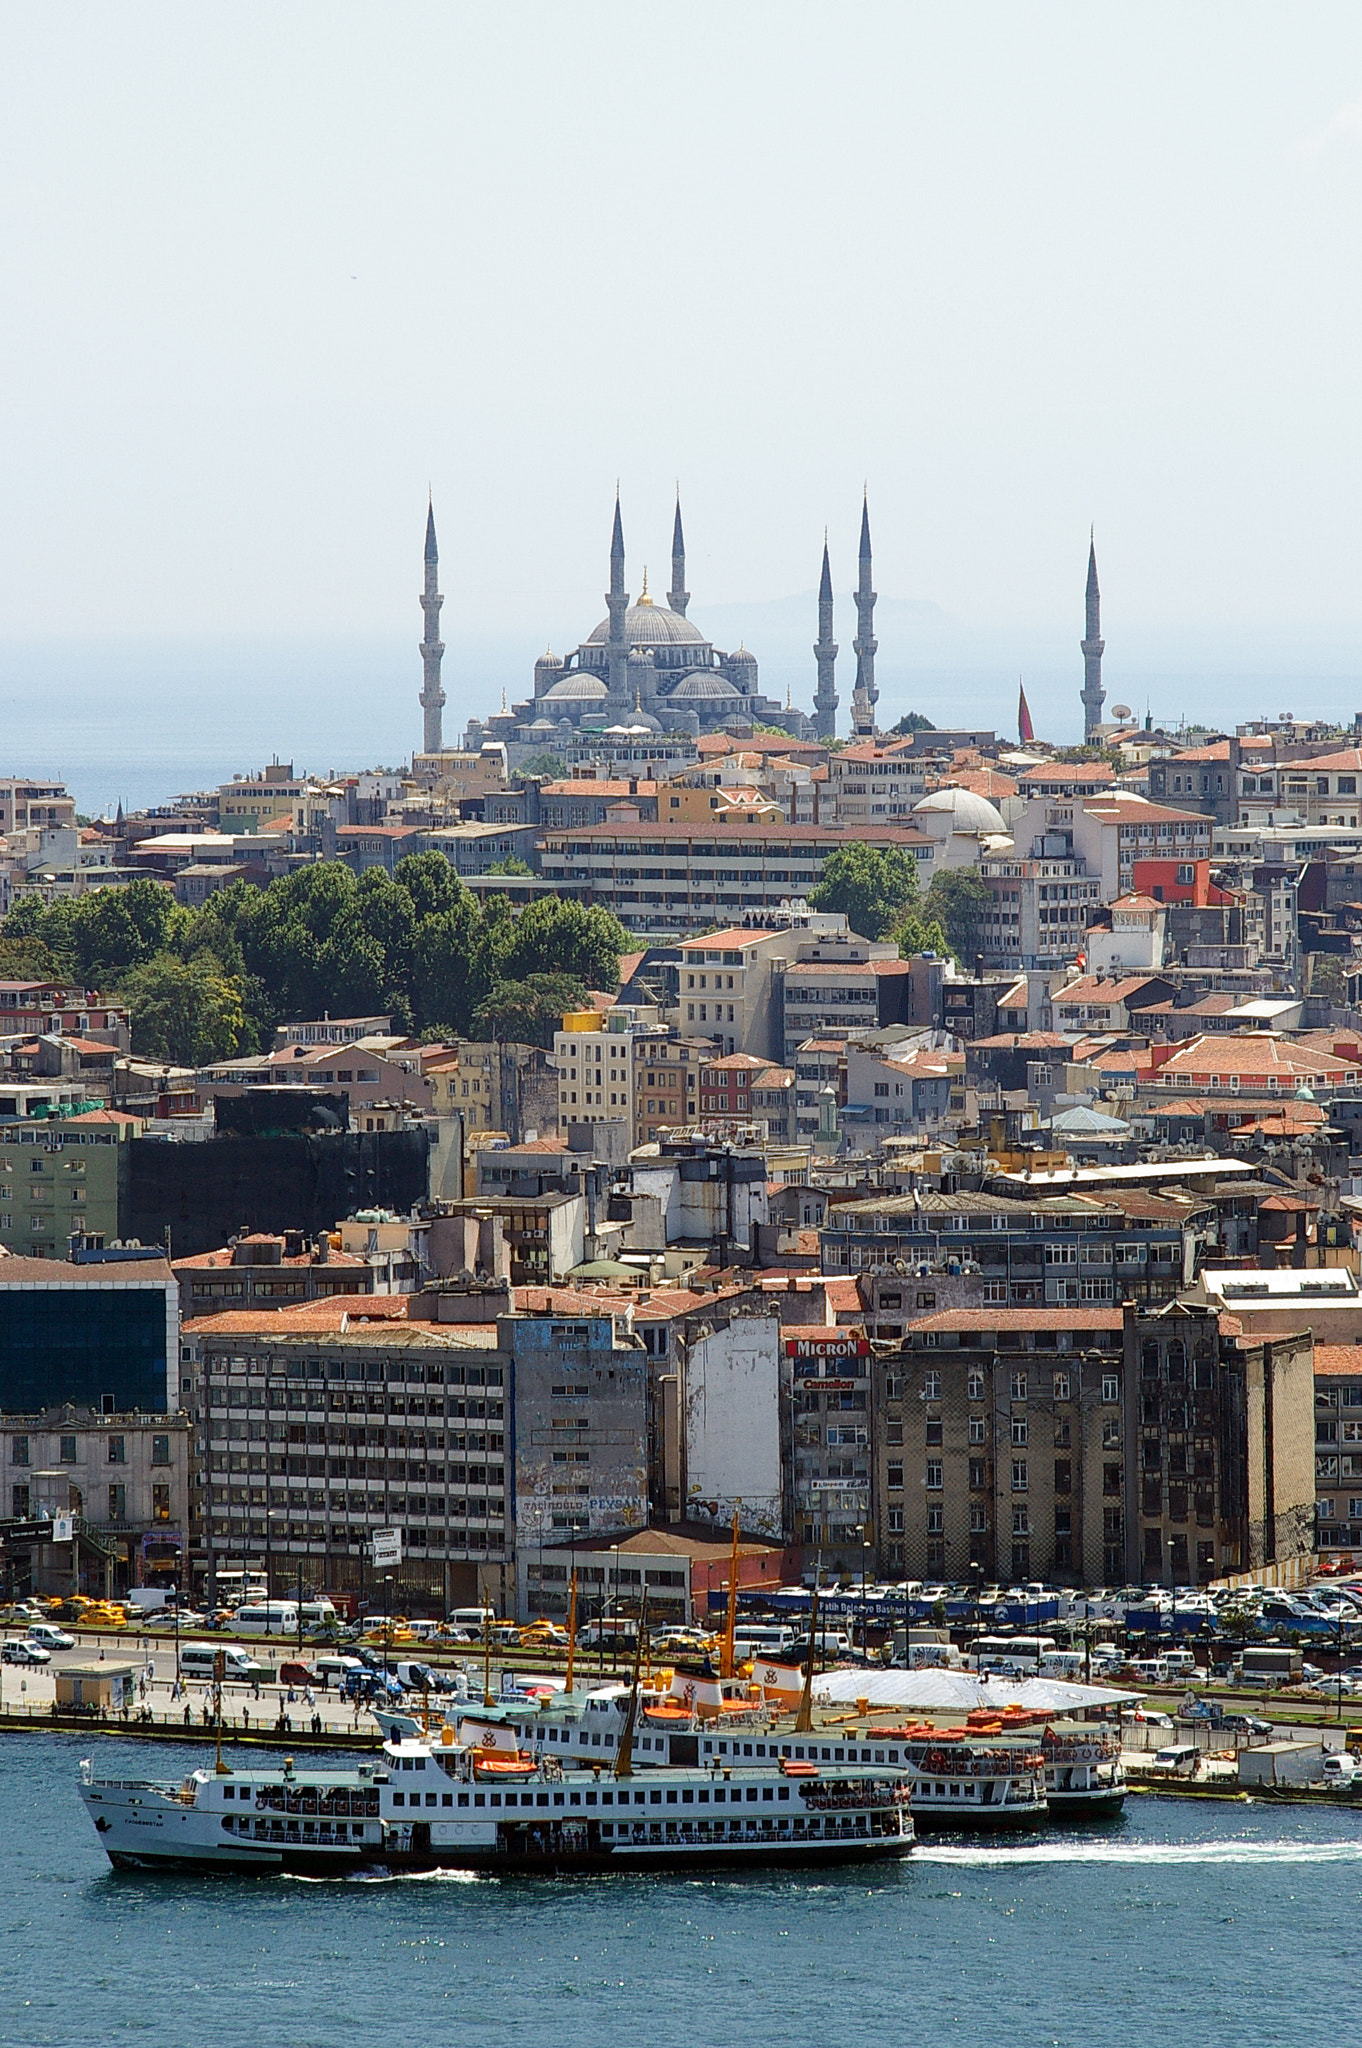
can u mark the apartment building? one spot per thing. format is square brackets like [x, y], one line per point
[666, 1082]
[581, 1409]
[28, 805]
[60, 1179]
[664, 877]
[594, 1054]
[124, 1480]
[999, 1450]
[1040, 907]
[1338, 1446]
[1055, 1250]
[1220, 1446]
[320, 1426]
[831, 1376]
[872, 783]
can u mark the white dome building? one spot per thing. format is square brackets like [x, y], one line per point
[964, 826]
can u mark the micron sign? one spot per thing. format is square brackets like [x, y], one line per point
[829, 1356]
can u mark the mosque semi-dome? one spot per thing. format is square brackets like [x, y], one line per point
[576, 688]
[702, 686]
[969, 811]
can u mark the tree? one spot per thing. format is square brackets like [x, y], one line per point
[913, 721]
[959, 900]
[915, 932]
[547, 765]
[529, 1011]
[870, 887]
[27, 959]
[185, 1011]
[511, 865]
[555, 936]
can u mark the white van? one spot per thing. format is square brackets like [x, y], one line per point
[761, 1639]
[470, 1620]
[1178, 1757]
[1178, 1662]
[335, 1665]
[238, 1664]
[1062, 1664]
[266, 1618]
[1150, 1671]
[319, 1613]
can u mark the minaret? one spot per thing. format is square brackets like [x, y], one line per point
[865, 642]
[1092, 645]
[678, 597]
[617, 600]
[825, 654]
[432, 646]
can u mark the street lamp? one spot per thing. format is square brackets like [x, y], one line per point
[863, 1534]
[272, 1515]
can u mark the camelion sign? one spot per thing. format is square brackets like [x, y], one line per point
[833, 1358]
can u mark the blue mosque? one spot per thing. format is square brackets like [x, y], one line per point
[647, 666]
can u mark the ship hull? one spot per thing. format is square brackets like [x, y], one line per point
[1097, 1804]
[1004, 1820]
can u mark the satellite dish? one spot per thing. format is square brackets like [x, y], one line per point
[1120, 711]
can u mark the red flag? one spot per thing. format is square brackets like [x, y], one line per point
[1025, 730]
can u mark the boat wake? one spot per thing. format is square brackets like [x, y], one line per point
[387, 1877]
[967, 1856]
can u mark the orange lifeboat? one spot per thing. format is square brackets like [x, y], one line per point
[502, 1763]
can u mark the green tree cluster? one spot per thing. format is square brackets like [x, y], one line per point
[876, 889]
[416, 945]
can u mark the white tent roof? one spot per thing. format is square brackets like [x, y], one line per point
[932, 1690]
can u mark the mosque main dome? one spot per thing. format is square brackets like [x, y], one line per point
[651, 625]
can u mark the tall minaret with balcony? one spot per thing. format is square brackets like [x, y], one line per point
[1092, 645]
[825, 654]
[432, 646]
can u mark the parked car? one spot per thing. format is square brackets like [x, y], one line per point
[1245, 1724]
[24, 1653]
[294, 1673]
[49, 1637]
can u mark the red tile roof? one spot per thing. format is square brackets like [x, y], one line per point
[1098, 1315]
[1338, 1361]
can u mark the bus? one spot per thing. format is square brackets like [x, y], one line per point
[1013, 1656]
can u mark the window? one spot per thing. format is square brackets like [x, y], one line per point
[160, 1450]
[66, 1452]
[931, 1386]
[1019, 1429]
[895, 1521]
[1019, 1386]
[118, 1501]
[18, 1498]
[160, 1503]
[1019, 1475]
[976, 1430]
[934, 1474]
[18, 1450]
[935, 1521]
[1063, 1475]
[117, 1450]
[1061, 1386]
[1111, 1479]
[1111, 1387]
[978, 1475]
[894, 1477]
[1021, 1522]
[978, 1521]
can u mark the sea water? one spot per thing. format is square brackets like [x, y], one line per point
[1182, 1922]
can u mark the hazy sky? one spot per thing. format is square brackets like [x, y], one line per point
[266, 270]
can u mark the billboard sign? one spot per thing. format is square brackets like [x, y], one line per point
[387, 1548]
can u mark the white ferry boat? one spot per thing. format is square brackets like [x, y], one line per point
[437, 1802]
[1084, 1775]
